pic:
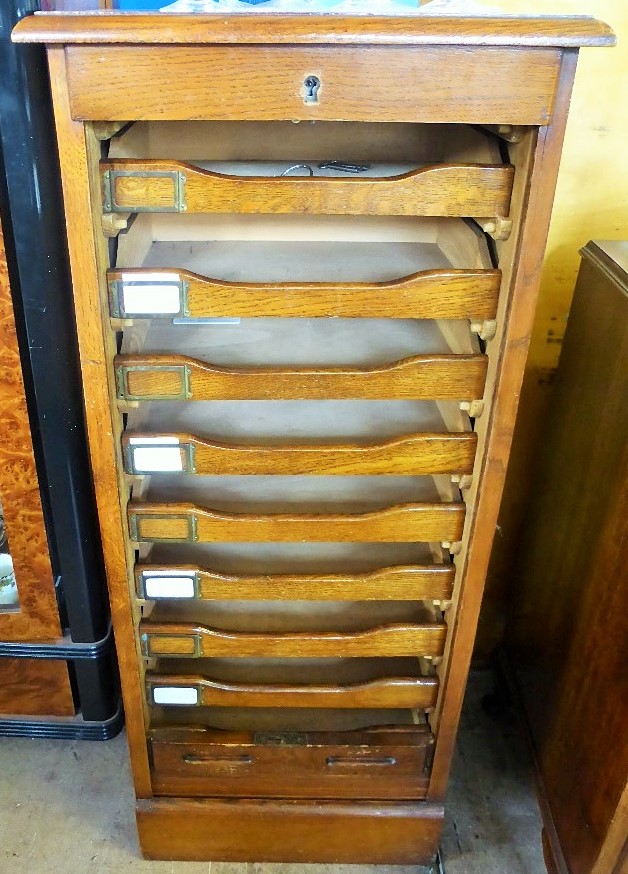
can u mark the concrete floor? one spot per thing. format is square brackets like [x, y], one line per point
[67, 807]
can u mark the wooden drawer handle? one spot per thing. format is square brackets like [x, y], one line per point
[347, 762]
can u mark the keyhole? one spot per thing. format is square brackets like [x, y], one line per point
[311, 85]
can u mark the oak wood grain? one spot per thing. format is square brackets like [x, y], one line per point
[487, 30]
[429, 294]
[289, 831]
[436, 190]
[386, 762]
[79, 152]
[422, 377]
[521, 258]
[416, 454]
[404, 523]
[401, 583]
[38, 617]
[171, 639]
[428, 84]
[390, 692]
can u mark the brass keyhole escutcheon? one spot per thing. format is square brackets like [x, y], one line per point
[311, 85]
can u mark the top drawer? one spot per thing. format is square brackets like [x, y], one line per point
[341, 169]
[357, 83]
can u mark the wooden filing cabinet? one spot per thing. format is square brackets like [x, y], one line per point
[305, 253]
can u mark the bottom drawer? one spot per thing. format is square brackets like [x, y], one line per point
[387, 762]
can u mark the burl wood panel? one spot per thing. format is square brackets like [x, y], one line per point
[569, 635]
[37, 618]
[289, 831]
[35, 687]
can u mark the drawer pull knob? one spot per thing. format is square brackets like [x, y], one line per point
[345, 762]
[311, 84]
[195, 759]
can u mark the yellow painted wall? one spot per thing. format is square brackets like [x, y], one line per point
[591, 203]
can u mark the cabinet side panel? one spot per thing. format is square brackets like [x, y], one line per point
[79, 155]
[525, 254]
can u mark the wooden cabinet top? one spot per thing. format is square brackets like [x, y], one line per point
[330, 29]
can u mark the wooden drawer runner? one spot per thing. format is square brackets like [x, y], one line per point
[422, 377]
[401, 583]
[170, 640]
[429, 294]
[140, 185]
[404, 523]
[191, 690]
[417, 454]
[387, 762]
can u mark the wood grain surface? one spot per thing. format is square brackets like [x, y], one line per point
[386, 763]
[404, 523]
[568, 635]
[431, 84]
[430, 294]
[438, 190]
[38, 617]
[486, 30]
[521, 259]
[171, 639]
[416, 454]
[391, 692]
[35, 687]
[289, 831]
[412, 582]
[422, 377]
[79, 153]
[425, 71]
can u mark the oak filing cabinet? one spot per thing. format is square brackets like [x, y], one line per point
[305, 253]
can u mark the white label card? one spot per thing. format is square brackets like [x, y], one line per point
[175, 695]
[157, 459]
[162, 586]
[152, 293]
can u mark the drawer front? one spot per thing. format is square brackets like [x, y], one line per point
[400, 583]
[437, 190]
[422, 84]
[174, 690]
[180, 641]
[369, 764]
[415, 455]
[422, 377]
[429, 294]
[405, 523]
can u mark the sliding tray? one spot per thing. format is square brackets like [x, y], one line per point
[152, 171]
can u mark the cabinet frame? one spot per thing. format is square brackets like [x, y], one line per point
[187, 830]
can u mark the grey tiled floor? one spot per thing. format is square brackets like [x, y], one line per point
[66, 807]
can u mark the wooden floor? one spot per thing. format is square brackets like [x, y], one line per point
[67, 807]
